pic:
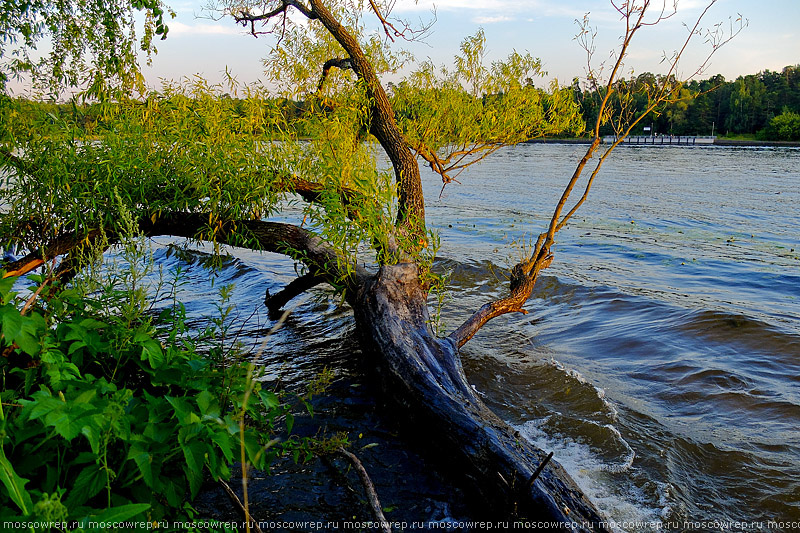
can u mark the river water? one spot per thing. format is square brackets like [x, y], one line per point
[660, 359]
[661, 356]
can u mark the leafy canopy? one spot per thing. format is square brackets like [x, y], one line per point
[87, 43]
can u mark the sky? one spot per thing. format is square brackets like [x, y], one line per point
[198, 44]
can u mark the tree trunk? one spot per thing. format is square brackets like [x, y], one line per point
[423, 374]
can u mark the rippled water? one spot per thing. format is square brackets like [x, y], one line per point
[661, 356]
[660, 359]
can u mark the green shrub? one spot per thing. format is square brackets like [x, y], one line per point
[784, 127]
[113, 412]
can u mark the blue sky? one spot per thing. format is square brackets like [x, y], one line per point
[198, 44]
[546, 28]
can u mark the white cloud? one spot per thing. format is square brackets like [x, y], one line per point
[179, 28]
[493, 10]
[453, 5]
[491, 19]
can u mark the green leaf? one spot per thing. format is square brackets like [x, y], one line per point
[121, 512]
[152, 353]
[174, 492]
[183, 410]
[6, 284]
[144, 461]
[11, 322]
[194, 454]
[14, 484]
[223, 439]
[66, 423]
[89, 482]
[269, 399]
[208, 404]
[92, 434]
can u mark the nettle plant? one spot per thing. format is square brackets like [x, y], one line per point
[112, 410]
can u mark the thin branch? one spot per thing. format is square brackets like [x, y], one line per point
[525, 273]
[372, 495]
[235, 499]
[407, 33]
[245, 17]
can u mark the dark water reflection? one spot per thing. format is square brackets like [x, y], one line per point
[660, 359]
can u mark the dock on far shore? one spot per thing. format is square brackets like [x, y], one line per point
[663, 139]
[674, 140]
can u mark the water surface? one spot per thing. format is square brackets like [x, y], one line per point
[660, 359]
[661, 356]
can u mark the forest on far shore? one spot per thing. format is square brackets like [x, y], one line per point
[764, 106]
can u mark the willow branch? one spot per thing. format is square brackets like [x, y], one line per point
[276, 302]
[245, 17]
[276, 237]
[391, 30]
[58, 246]
[522, 284]
[411, 202]
[338, 62]
[313, 192]
[664, 94]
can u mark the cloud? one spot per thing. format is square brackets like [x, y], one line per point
[179, 28]
[490, 11]
[453, 5]
[491, 20]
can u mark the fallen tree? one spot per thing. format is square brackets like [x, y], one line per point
[190, 163]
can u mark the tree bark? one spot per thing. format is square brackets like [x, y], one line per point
[423, 374]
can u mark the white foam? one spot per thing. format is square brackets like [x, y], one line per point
[630, 456]
[614, 495]
[580, 378]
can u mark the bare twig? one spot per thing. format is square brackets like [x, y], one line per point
[524, 274]
[408, 33]
[372, 495]
[540, 468]
[248, 518]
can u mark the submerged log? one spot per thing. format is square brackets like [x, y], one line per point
[423, 374]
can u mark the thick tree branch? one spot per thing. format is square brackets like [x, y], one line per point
[58, 246]
[286, 239]
[312, 192]
[277, 237]
[296, 287]
[338, 62]
[411, 203]
[522, 284]
[245, 17]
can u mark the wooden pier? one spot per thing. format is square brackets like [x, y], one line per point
[683, 140]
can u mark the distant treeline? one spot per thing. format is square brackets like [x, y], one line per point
[765, 105]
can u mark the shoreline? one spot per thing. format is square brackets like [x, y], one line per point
[717, 142]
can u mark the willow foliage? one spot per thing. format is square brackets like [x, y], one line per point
[92, 44]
